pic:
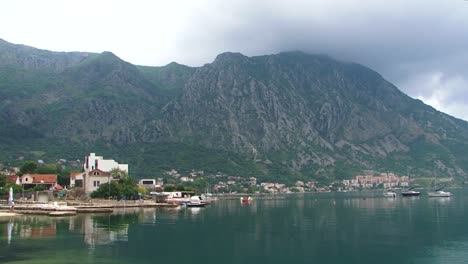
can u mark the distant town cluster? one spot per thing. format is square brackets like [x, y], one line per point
[383, 180]
[95, 171]
[235, 184]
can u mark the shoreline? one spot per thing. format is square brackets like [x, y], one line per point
[7, 214]
[66, 209]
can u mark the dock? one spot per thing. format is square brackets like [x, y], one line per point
[74, 208]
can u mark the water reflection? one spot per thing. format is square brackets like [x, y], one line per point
[29, 227]
[100, 231]
[9, 231]
[95, 229]
[306, 228]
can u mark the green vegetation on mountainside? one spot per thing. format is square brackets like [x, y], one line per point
[285, 117]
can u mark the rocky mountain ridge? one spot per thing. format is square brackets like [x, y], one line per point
[287, 115]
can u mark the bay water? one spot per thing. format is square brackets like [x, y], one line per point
[360, 227]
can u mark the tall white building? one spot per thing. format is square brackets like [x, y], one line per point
[96, 171]
[93, 162]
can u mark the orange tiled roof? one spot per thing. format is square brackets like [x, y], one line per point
[100, 172]
[58, 187]
[44, 178]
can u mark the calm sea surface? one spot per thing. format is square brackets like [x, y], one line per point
[306, 228]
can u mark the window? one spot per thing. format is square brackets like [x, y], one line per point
[96, 173]
[79, 183]
[96, 183]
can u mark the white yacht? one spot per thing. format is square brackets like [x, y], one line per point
[439, 193]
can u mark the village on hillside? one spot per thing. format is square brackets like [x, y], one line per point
[98, 177]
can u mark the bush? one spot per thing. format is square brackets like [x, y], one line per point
[125, 187]
[103, 191]
[169, 188]
[2, 180]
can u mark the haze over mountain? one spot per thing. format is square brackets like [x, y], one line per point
[290, 115]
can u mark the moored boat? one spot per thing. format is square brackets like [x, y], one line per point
[389, 194]
[410, 192]
[246, 200]
[195, 201]
[439, 193]
[190, 204]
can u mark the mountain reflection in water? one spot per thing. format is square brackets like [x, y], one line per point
[303, 228]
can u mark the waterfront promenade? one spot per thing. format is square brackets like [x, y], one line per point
[74, 207]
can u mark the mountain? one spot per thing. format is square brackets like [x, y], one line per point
[285, 116]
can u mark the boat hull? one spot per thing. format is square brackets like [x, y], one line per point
[410, 194]
[389, 195]
[439, 194]
[195, 204]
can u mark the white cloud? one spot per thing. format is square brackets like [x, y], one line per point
[443, 92]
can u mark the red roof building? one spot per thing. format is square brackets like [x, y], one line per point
[31, 180]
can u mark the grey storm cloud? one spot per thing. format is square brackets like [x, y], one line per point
[420, 46]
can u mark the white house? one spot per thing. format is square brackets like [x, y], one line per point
[76, 179]
[95, 178]
[98, 162]
[96, 171]
[151, 183]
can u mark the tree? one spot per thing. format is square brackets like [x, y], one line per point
[169, 187]
[2, 180]
[126, 186]
[48, 169]
[63, 180]
[16, 188]
[103, 190]
[28, 167]
[40, 187]
[117, 173]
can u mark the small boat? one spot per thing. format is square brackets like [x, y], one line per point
[190, 204]
[246, 200]
[389, 194]
[410, 192]
[195, 201]
[439, 193]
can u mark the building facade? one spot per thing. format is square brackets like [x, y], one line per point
[49, 181]
[92, 162]
[96, 171]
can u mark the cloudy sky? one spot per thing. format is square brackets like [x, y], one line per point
[420, 46]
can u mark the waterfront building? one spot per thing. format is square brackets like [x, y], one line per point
[98, 162]
[93, 179]
[151, 183]
[96, 171]
[49, 181]
[76, 179]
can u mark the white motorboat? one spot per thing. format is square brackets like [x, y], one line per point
[439, 193]
[389, 194]
[196, 201]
